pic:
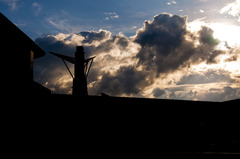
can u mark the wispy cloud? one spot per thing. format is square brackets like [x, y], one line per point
[37, 7]
[62, 22]
[171, 2]
[232, 9]
[13, 4]
[111, 15]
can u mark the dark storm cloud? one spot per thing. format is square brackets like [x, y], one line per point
[90, 36]
[206, 50]
[165, 47]
[157, 92]
[212, 56]
[206, 36]
[165, 30]
[160, 40]
[127, 80]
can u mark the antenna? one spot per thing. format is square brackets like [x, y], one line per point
[81, 70]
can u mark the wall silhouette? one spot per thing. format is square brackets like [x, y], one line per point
[19, 51]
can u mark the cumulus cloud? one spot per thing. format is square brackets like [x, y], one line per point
[113, 63]
[157, 62]
[127, 80]
[159, 41]
[165, 48]
[91, 36]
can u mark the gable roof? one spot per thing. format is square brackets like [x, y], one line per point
[12, 34]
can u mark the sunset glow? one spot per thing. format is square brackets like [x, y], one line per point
[227, 33]
[188, 50]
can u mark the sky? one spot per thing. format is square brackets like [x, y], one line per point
[182, 49]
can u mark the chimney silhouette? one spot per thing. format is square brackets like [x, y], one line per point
[80, 80]
[81, 70]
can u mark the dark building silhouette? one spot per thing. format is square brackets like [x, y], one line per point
[18, 52]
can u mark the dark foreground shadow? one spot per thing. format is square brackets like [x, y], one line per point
[110, 127]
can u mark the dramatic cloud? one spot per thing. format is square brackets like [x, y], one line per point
[167, 45]
[165, 59]
[114, 61]
[160, 42]
[90, 36]
[127, 80]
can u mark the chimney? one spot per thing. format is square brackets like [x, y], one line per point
[80, 80]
